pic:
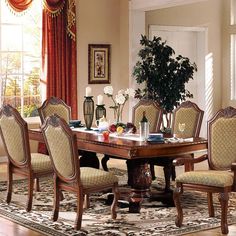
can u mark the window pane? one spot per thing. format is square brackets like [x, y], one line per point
[233, 66]
[11, 38]
[11, 63]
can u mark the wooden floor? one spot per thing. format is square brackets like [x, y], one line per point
[8, 228]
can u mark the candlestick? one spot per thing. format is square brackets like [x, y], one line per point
[99, 100]
[88, 108]
[88, 92]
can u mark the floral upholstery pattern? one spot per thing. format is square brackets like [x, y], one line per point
[58, 109]
[188, 116]
[10, 128]
[59, 146]
[223, 147]
[91, 177]
[208, 177]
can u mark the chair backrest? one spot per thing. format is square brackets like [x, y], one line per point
[190, 114]
[153, 113]
[222, 139]
[14, 133]
[62, 147]
[54, 105]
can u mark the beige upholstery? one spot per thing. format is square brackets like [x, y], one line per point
[153, 113]
[62, 146]
[58, 109]
[208, 177]
[223, 146]
[15, 146]
[221, 176]
[188, 116]
[14, 133]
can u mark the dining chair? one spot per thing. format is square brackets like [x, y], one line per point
[55, 105]
[68, 174]
[221, 176]
[191, 115]
[14, 133]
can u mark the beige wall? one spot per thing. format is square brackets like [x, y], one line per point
[103, 22]
[204, 14]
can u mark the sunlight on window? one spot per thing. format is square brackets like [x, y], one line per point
[20, 58]
[209, 85]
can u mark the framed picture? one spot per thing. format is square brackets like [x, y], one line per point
[99, 63]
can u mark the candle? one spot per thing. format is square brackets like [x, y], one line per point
[100, 100]
[88, 92]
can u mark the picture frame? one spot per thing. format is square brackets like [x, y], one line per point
[99, 71]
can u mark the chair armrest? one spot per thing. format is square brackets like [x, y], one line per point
[233, 167]
[189, 161]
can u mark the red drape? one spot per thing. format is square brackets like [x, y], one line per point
[59, 51]
[19, 5]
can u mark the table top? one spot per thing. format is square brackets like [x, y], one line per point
[127, 148]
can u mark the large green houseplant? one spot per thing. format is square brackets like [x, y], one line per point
[162, 75]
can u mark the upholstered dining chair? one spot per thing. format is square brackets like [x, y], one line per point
[14, 133]
[55, 105]
[68, 175]
[191, 115]
[221, 176]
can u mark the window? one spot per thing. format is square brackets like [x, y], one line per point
[20, 58]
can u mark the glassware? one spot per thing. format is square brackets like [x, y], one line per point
[144, 128]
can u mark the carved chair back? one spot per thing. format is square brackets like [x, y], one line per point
[153, 113]
[221, 139]
[62, 148]
[190, 114]
[54, 105]
[14, 133]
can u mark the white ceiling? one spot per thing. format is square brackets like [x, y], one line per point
[146, 5]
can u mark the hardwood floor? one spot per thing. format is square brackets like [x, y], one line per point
[8, 228]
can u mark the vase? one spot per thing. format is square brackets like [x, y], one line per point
[88, 108]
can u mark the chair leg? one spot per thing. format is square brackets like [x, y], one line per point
[115, 200]
[36, 185]
[56, 202]
[210, 205]
[86, 201]
[79, 210]
[9, 184]
[176, 197]
[224, 198]
[30, 193]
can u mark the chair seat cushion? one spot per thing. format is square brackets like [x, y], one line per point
[41, 163]
[207, 177]
[91, 177]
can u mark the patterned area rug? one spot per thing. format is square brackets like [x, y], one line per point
[154, 218]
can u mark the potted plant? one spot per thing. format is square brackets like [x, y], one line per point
[163, 75]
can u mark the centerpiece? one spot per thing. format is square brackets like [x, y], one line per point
[119, 101]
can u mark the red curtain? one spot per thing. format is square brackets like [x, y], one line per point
[19, 5]
[59, 51]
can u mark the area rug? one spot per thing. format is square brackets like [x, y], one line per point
[154, 218]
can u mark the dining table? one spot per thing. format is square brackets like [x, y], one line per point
[136, 152]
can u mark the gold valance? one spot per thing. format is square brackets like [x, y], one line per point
[53, 7]
[19, 5]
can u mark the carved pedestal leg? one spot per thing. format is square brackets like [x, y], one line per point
[176, 197]
[140, 179]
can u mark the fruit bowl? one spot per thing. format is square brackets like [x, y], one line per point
[121, 128]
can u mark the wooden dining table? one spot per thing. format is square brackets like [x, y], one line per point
[137, 153]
